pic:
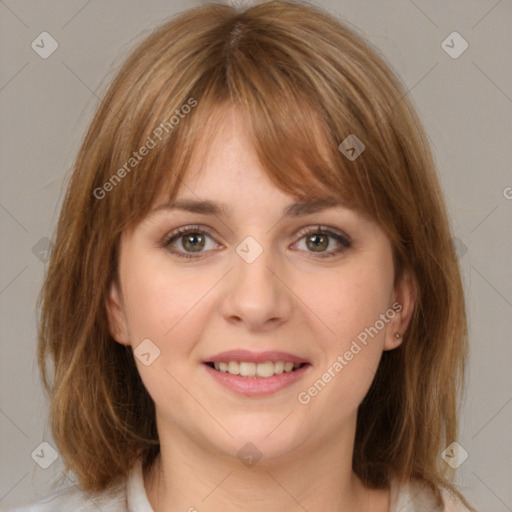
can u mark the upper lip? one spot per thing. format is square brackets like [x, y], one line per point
[255, 357]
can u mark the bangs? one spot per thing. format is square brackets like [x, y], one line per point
[296, 156]
[293, 134]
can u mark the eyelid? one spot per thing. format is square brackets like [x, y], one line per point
[323, 228]
[183, 230]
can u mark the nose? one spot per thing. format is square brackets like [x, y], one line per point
[257, 293]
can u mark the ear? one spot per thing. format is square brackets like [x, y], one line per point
[404, 298]
[116, 316]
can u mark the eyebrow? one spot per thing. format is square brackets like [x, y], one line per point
[205, 207]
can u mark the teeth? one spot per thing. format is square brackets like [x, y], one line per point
[233, 368]
[265, 369]
[246, 369]
[279, 367]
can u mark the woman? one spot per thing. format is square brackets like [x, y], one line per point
[253, 301]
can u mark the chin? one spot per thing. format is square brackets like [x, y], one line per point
[269, 436]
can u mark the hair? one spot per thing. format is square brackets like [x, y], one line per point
[304, 82]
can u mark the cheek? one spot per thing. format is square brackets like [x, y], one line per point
[352, 303]
[352, 299]
[158, 298]
[161, 305]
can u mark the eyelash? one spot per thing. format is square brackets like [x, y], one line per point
[319, 230]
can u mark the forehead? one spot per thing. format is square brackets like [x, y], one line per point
[209, 207]
[223, 150]
[225, 163]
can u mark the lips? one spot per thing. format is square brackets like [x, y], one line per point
[256, 357]
[251, 364]
[256, 373]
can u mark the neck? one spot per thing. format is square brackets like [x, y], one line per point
[189, 476]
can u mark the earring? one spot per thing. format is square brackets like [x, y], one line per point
[398, 335]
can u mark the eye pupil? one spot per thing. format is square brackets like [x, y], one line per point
[314, 239]
[190, 242]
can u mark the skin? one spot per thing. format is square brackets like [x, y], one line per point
[288, 299]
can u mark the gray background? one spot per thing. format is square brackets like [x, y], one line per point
[465, 103]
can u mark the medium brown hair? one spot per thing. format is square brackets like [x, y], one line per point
[304, 82]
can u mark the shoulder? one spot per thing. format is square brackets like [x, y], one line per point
[415, 496]
[73, 498]
[452, 503]
[129, 494]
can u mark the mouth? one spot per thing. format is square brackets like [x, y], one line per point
[256, 374]
[251, 370]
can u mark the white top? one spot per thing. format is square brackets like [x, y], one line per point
[131, 497]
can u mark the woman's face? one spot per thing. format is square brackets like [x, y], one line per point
[267, 287]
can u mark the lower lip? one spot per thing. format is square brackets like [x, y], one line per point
[257, 386]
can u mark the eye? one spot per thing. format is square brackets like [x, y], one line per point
[193, 241]
[190, 238]
[317, 240]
